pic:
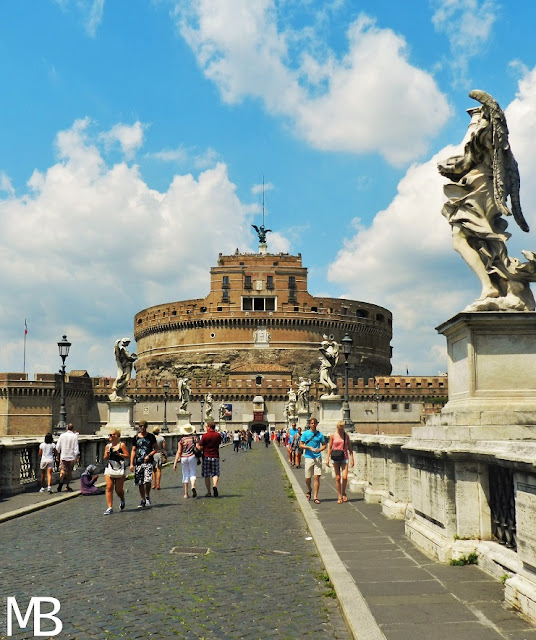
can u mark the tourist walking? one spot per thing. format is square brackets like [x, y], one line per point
[159, 458]
[46, 453]
[295, 446]
[236, 441]
[291, 433]
[313, 443]
[116, 455]
[266, 438]
[340, 453]
[141, 462]
[68, 451]
[188, 459]
[210, 445]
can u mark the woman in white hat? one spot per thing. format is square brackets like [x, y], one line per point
[186, 454]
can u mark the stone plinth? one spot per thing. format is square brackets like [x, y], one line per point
[330, 413]
[183, 419]
[119, 417]
[492, 377]
[303, 419]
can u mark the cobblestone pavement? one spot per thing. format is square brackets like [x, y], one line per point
[120, 576]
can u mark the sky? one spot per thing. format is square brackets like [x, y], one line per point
[136, 137]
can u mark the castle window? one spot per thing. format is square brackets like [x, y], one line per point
[296, 308]
[258, 380]
[258, 303]
[379, 317]
[314, 309]
[219, 308]
[345, 311]
[407, 406]
[203, 309]
[291, 282]
[140, 320]
[361, 313]
[174, 312]
[241, 264]
[394, 407]
[225, 296]
[225, 282]
[269, 282]
[247, 282]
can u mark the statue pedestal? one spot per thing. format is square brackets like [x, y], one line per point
[492, 378]
[119, 417]
[183, 419]
[330, 413]
[303, 419]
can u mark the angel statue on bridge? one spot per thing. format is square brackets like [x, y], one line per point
[482, 179]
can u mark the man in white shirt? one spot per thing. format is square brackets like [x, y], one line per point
[68, 452]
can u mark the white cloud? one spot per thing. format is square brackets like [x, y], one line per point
[91, 10]
[370, 99]
[5, 184]
[405, 261]
[262, 188]
[91, 244]
[468, 26]
[129, 137]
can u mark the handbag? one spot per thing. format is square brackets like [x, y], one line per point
[337, 455]
[115, 468]
[197, 451]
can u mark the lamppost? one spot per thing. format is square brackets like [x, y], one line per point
[166, 391]
[63, 346]
[346, 349]
[202, 412]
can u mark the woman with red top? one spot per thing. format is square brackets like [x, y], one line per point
[340, 452]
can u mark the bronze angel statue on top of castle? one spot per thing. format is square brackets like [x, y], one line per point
[482, 179]
[261, 232]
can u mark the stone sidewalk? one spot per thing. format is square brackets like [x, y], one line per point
[239, 566]
[408, 595]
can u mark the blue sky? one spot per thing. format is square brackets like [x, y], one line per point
[135, 137]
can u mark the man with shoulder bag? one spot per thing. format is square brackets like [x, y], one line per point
[313, 443]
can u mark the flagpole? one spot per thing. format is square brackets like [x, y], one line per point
[24, 355]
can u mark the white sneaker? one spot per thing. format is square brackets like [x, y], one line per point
[49, 489]
[148, 502]
[108, 511]
[42, 490]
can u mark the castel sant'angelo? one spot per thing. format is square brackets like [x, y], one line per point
[258, 312]
[246, 345]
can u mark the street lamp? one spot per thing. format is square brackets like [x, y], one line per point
[202, 412]
[63, 346]
[166, 391]
[346, 349]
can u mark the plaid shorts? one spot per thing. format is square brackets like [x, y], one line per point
[143, 473]
[210, 468]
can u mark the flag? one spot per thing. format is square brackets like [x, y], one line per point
[25, 328]
[407, 371]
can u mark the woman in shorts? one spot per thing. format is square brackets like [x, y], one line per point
[340, 452]
[116, 454]
[46, 453]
